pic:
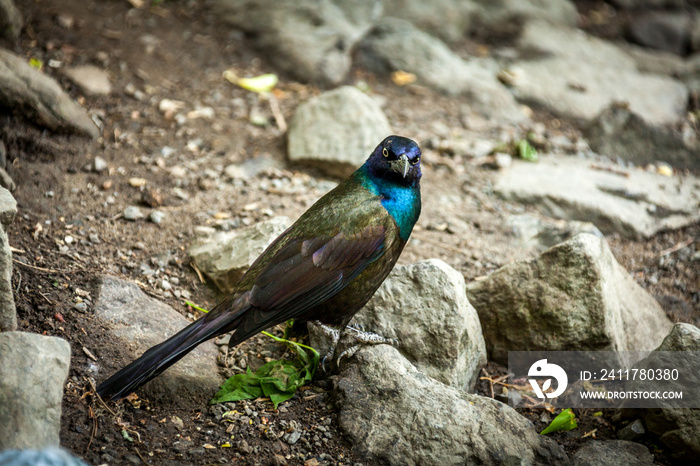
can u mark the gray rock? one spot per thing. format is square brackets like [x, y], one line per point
[575, 296]
[637, 206]
[156, 217]
[632, 431]
[251, 168]
[226, 256]
[505, 13]
[141, 322]
[90, 79]
[425, 308]
[41, 99]
[543, 234]
[11, 22]
[33, 369]
[8, 314]
[44, 457]
[394, 44]
[677, 429]
[310, 39]
[577, 75]
[336, 131]
[393, 413]
[617, 132]
[99, 164]
[612, 453]
[447, 19]
[132, 213]
[638, 4]
[662, 30]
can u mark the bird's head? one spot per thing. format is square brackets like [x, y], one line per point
[396, 159]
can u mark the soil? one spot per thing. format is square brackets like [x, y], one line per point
[70, 227]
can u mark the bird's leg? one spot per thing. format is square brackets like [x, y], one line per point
[334, 335]
[359, 337]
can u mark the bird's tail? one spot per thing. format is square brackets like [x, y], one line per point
[153, 362]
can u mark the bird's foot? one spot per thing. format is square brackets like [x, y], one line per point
[358, 337]
[333, 334]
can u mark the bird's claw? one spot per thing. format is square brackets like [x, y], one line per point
[350, 352]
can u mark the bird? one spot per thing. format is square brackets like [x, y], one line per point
[323, 269]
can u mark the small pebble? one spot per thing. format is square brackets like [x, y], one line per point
[99, 164]
[156, 217]
[132, 213]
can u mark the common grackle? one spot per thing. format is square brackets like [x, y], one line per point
[323, 269]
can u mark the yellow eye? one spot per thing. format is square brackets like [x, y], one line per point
[415, 161]
[385, 152]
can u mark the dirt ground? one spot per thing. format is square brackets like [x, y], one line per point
[70, 230]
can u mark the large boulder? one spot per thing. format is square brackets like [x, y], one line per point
[395, 414]
[677, 429]
[225, 256]
[39, 98]
[394, 44]
[575, 296]
[311, 39]
[577, 75]
[424, 307]
[8, 313]
[336, 131]
[140, 322]
[632, 203]
[33, 369]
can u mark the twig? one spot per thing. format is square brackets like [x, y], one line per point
[199, 274]
[14, 250]
[35, 267]
[47, 299]
[277, 113]
[488, 377]
[139, 453]
[677, 247]
[591, 433]
[610, 169]
[94, 428]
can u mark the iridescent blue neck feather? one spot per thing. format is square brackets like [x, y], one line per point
[401, 201]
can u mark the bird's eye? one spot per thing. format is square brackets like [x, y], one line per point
[415, 161]
[385, 152]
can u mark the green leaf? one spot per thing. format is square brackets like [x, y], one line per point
[36, 63]
[194, 306]
[566, 420]
[278, 379]
[526, 151]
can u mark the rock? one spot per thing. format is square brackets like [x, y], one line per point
[447, 19]
[612, 453]
[156, 217]
[90, 79]
[45, 457]
[132, 213]
[310, 39]
[41, 99]
[33, 369]
[662, 30]
[394, 44]
[508, 13]
[577, 75]
[226, 256]
[99, 164]
[393, 413]
[8, 314]
[250, 168]
[632, 431]
[574, 296]
[543, 234]
[677, 429]
[336, 131]
[425, 308]
[141, 322]
[633, 203]
[11, 22]
[617, 132]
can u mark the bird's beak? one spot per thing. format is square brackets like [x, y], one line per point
[401, 165]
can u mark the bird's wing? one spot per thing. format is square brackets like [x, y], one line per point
[307, 271]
